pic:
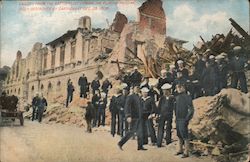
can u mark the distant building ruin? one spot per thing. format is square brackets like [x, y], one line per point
[47, 68]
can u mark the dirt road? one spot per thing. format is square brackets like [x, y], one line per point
[61, 143]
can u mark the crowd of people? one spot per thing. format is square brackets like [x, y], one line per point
[143, 109]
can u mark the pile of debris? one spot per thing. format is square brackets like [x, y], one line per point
[219, 126]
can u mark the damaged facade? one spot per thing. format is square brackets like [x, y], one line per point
[47, 68]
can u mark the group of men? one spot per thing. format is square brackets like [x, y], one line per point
[84, 86]
[133, 108]
[138, 113]
[39, 106]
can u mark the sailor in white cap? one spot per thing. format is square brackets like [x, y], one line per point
[149, 109]
[238, 65]
[165, 112]
[114, 110]
[163, 79]
[182, 69]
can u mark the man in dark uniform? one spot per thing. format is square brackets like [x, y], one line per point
[70, 91]
[83, 83]
[182, 69]
[42, 105]
[163, 80]
[89, 115]
[95, 101]
[126, 79]
[215, 68]
[223, 71]
[184, 111]
[114, 110]
[133, 112]
[35, 107]
[149, 109]
[102, 104]
[135, 77]
[165, 112]
[179, 80]
[237, 66]
[95, 85]
[199, 66]
[122, 100]
[106, 86]
[208, 80]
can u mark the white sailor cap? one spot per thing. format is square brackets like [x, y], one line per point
[219, 57]
[103, 94]
[124, 85]
[237, 48]
[163, 71]
[211, 57]
[208, 50]
[223, 54]
[144, 90]
[166, 86]
[179, 62]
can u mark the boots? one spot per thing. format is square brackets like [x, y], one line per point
[186, 151]
[180, 149]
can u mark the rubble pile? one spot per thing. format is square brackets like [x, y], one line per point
[220, 124]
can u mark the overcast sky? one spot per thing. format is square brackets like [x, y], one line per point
[186, 19]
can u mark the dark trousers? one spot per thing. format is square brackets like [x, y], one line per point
[123, 124]
[83, 92]
[239, 77]
[115, 116]
[40, 113]
[95, 121]
[101, 117]
[136, 128]
[69, 99]
[89, 126]
[182, 129]
[34, 113]
[162, 123]
[148, 130]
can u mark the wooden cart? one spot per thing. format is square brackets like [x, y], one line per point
[7, 115]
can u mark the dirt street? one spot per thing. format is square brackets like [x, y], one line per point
[62, 143]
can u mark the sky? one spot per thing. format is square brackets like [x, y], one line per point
[24, 23]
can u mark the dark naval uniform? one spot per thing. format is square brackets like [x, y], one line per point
[35, 108]
[149, 107]
[165, 112]
[135, 78]
[237, 66]
[184, 111]
[83, 83]
[133, 109]
[42, 103]
[114, 109]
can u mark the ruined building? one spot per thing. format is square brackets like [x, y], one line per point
[47, 68]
